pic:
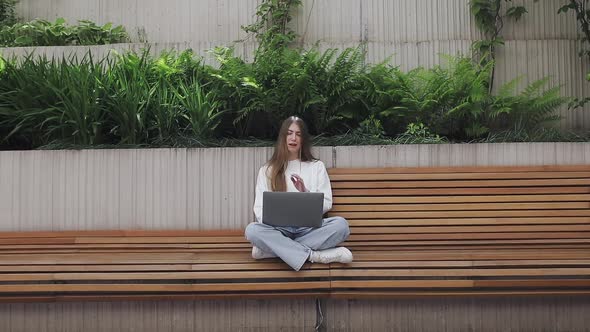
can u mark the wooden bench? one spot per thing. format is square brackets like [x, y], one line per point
[458, 231]
[415, 232]
[132, 265]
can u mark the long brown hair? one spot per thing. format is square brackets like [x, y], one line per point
[280, 158]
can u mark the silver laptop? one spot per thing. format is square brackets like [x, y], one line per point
[293, 209]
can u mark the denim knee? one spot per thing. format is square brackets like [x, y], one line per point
[341, 226]
[251, 232]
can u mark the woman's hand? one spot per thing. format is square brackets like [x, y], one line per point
[298, 183]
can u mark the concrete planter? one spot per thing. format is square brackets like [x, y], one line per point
[200, 188]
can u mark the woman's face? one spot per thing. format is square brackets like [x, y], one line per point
[294, 139]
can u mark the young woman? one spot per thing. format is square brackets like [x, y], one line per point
[293, 168]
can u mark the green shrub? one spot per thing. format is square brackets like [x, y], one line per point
[449, 99]
[43, 100]
[174, 99]
[44, 33]
[7, 13]
[528, 110]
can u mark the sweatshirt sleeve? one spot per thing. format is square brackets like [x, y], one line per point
[261, 186]
[324, 186]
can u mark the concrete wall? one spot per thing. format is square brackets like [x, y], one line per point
[427, 315]
[200, 188]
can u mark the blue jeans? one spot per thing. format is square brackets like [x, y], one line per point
[294, 244]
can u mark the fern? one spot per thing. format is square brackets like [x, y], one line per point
[337, 85]
[530, 109]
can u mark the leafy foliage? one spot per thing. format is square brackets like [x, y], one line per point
[489, 18]
[271, 27]
[131, 99]
[137, 99]
[582, 11]
[174, 99]
[530, 109]
[44, 33]
[7, 12]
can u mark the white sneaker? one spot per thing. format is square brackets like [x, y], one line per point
[332, 255]
[257, 253]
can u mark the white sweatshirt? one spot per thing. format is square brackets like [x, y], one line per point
[314, 176]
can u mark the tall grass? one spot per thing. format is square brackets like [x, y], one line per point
[43, 100]
[128, 99]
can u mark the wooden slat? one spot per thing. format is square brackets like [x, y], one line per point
[460, 245]
[266, 265]
[173, 275]
[127, 246]
[120, 240]
[441, 272]
[515, 263]
[163, 297]
[460, 191]
[122, 233]
[442, 244]
[464, 214]
[469, 229]
[459, 184]
[469, 221]
[456, 176]
[177, 239]
[492, 257]
[397, 293]
[462, 199]
[117, 246]
[283, 267]
[400, 284]
[470, 255]
[146, 288]
[126, 258]
[460, 207]
[531, 283]
[134, 251]
[512, 263]
[463, 169]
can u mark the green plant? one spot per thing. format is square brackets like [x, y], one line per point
[335, 89]
[235, 83]
[44, 33]
[321, 87]
[199, 109]
[537, 135]
[271, 27]
[25, 99]
[44, 100]
[36, 33]
[382, 92]
[449, 99]
[371, 127]
[582, 11]
[466, 93]
[175, 100]
[489, 18]
[88, 33]
[418, 133]
[528, 110]
[79, 114]
[7, 12]
[128, 93]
